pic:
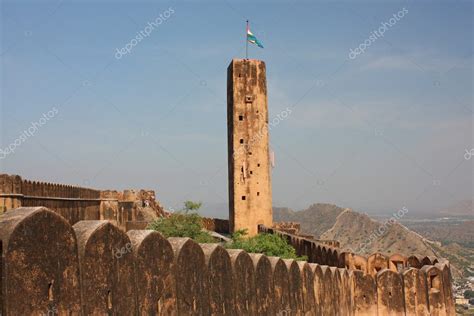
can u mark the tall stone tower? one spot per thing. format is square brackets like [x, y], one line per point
[250, 192]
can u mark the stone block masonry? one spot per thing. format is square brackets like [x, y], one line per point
[76, 204]
[250, 193]
[50, 267]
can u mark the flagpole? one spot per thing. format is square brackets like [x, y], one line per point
[247, 42]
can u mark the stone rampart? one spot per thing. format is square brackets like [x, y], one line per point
[216, 225]
[76, 204]
[323, 254]
[50, 267]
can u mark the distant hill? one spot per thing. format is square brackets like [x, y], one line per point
[446, 232]
[359, 233]
[362, 234]
[315, 220]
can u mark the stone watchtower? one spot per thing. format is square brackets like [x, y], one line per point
[250, 192]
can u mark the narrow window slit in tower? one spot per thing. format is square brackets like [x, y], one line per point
[109, 299]
[243, 197]
[50, 291]
[241, 117]
[241, 140]
[258, 193]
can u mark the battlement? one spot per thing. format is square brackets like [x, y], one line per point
[77, 203]
[93, 267]
[322, 252]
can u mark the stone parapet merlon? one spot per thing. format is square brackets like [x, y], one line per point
[95, 268]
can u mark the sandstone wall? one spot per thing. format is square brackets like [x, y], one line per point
[324, 254]
[216, 225]
[76, 204]
[93, 268]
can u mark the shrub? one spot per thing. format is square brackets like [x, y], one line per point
[268, 244]
[187, 223]
[183, 224]
[192, 206]
[468, 294]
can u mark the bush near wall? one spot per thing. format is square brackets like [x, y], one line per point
[180, 224]
[269, 244]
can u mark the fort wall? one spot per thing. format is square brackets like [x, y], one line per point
[77, 203]
[94, 268]
[322, 253]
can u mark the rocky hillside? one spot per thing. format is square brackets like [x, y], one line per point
[361, 234]
[315, 220]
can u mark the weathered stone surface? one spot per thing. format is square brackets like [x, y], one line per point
[263, 284]
[220, 280]
[307, 277]
[360, 263]
[296, 287]
[345, 260]
[317, 287]
[281, 284]
[448, 290]
[190, 273]
[416, 295]
[364, 294]
[346, 293]
[153, 269]
[312, 255]
[39, 264]
[318, 255]
[434, 280]
[333, 257]
[329, 306]
[250, 192]
[337, 291]
[107, 269]
[376, 262]
[414, 261]
[324, 256]
[244, 282]
[397, 262]
[390, 300]
[427, 261]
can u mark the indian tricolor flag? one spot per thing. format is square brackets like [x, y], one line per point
[252, 39]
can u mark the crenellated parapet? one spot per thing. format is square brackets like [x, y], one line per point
[14, 184]
[321, 253]
[125, 209]
[216, 225]
[94, 268]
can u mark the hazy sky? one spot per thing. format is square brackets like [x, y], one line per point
[381, 131]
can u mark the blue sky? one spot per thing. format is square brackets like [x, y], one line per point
[386, 130]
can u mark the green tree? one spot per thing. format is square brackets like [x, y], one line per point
[186, 223]
[268, 244]
[190, 206]
[468, 294]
